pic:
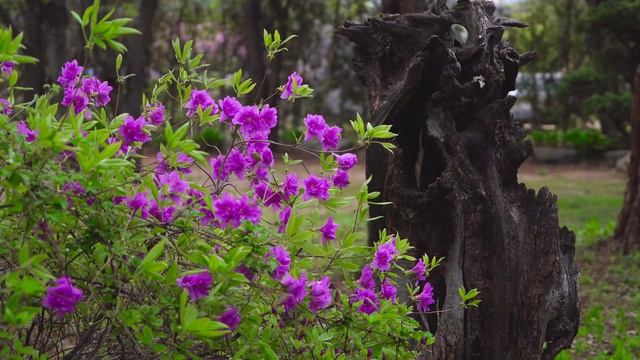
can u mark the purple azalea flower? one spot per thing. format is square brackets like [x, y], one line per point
[384, 256]
[217, 170]
[164, 215]
[232, 211]
[247, 114]
[231, 318]
[7, 67]
[341, 179]
[261, 174]
[133, 130]
[296, 288]
[70, 73]
[23, 129]
[75, 97]
[96, 90]
[155, 114]
[235, 163]
[207, 217]
[287, 90]
[255, 123]
[196, 196]
[63, 297]
[119, 199]
[331, 138]
[281, 255]
[42, 229]
[267, 196]
[182, 165]
[266, 157]
[320, 294]
[316, 187]
[425, 299]
[268, 116]
[290, 186]
[73, 188]
[420, 270]
[197, 285]
[229, 108]
[328, 230]
[226, 210]
[284, 219]
[174, 183]
[368, 298]
[315, 126]
[249, 210]
[346, 161]
[184, 162]
[200, 99]
[389, 291]
[5, 107]
[140, 201]
[366, 278]
[244, 270]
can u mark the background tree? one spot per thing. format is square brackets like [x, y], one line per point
[628, 229]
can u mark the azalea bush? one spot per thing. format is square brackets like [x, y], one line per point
[190, 255]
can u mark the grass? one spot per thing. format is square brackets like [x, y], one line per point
[609, 283]
[582, 200]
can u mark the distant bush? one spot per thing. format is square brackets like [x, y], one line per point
[546, 137]
[588, 142]
[210, 137]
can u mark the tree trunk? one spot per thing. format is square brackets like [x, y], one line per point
[138, 59]
[454, 187]
[403, 6]
[255, 22]
[253, 41]
[628, 229]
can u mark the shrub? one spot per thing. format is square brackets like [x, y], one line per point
[102, 258]
[588, 142]
[546, 137]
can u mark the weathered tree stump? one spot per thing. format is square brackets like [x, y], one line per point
[454, 186]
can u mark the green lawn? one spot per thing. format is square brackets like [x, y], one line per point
[582, 200]
[609, 282]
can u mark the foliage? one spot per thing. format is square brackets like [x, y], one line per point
[588, 142]
[255, 254]
[102, 31]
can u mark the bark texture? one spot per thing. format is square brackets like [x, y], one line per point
[403, 6]
[453, 181]
[45, 26]
[139, 57]
[628, 229]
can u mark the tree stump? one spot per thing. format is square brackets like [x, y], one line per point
[454, 186]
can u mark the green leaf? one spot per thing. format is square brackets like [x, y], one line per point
[153, 253]
[114, 163]
[118, 62]
[201, 327]
[77, 18]
[268, 351]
